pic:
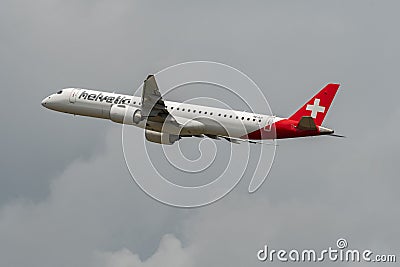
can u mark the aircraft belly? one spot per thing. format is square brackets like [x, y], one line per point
[83, 109]
[227, 128]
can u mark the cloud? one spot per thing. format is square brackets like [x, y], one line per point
[66, 198]
[169, 253]
[93, 205]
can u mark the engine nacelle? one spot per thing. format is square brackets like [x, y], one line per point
[161, 138]
[125, 114]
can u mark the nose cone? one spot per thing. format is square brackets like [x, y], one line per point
[44, 102]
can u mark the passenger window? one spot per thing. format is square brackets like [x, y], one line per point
[199, 111]
[194, 111]
[188, 110]
[219, 114]
[242, 118]
[237, 117]
[230, 116]
[225, 115]
[211, 113]
[205, 112]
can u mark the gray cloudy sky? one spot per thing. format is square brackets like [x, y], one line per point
[66, 198]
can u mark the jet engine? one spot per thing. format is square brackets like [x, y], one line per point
[125, 114]
[161, 138]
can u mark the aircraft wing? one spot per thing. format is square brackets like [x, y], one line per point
[153, 107]
[237, 140]
[240, 140]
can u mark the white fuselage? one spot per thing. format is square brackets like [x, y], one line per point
[217, 121]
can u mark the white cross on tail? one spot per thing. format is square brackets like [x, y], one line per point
[315, 108]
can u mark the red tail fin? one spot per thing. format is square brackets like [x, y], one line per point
[318, 106]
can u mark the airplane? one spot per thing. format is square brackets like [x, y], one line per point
[166, 122]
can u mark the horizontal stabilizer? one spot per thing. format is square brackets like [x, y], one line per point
[337, 135]
[306, 123]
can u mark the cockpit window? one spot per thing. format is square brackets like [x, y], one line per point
[59, 92]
